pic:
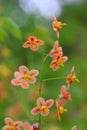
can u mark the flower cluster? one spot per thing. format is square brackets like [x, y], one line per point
[18, 125]
[25, 77]
[57, 57]
[64, 95]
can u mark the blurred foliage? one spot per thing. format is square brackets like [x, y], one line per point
[15, 27]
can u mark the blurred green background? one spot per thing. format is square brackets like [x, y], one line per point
[16, 24]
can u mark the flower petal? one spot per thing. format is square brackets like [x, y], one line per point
[64, 58]
[17, 74]
[26, 44]
[63, 90]
[9, 121]
[34, 72]
[62, 101]
[54, 65]
[23, 69]
[15, 82]
[32, 38]
[36, 126]
[38, 41]
[5, 128]
[74, 128]
[35, 110]
[49, 103]
[27, 126]
[40, 101]
[24, 85]
[32, 80]
[72, 70]
[18, 123]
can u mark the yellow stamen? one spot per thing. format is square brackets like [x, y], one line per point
[33, 44]
[62, 110]
[74, 78]
[59, 25]
[27, 77]
[11, 128]
[60, 63]
[44, 108]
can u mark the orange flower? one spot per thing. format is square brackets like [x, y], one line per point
[27, 126]
[71, 77]
[36, 126]
[64, 96]
[57, 57]
[33, 43]
[11, 125]
[24, 77]
[74, 128]
[42, 106]
[59, 61]
[57, 25]
[60, 110]
[56, 50]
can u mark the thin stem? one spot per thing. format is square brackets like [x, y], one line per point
[45, 57]
[40, 94]
[54, 78]
[40, 121]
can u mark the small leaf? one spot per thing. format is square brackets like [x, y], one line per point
[3, 35]
[12, 27]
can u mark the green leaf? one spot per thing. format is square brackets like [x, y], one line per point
[11, 27]
[3, 35]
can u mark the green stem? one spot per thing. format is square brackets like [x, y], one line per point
[40, 94]
[40, 89]
[45, 57]
[40, 122]
[54, 78]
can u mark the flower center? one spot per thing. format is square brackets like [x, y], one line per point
[44, 108]
[11, 127]
[73, 78]
[60, 62]
[33, 44]
[27, 77]
[62, 110]
[59, 25]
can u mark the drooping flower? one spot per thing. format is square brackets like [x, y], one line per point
[56, 50]
[74, 128]
[24, 77]
[33, 43]
[60, 110]
[57, 62]
[57, 57]
[27, 126]
[42, 107]
[64, 96]
[57, 25]
[36, 126]
[11, 125]
[71, 77]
